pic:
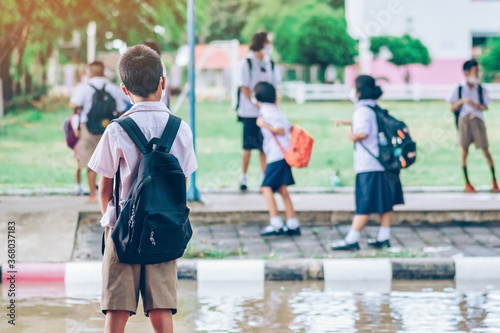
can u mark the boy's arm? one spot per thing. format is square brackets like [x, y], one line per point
[278, 131]
[105, 193]
[356, 137]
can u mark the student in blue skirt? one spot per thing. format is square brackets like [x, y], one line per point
[278, 175]
[377, 190]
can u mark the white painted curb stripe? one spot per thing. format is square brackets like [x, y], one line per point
[231, 270]
[357, 269]
[477, 268]
[83, 279]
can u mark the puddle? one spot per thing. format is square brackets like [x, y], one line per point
[422, 306]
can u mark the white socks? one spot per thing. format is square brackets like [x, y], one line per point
[352, 237]
[292, 223]
[243, 179]
[384, 233]
[277, 223]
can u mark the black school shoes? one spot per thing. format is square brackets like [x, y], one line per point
[342, 245]
[379, 245]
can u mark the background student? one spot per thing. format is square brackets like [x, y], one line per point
[278, 175]
[469, 101]
[83, 98]
[256, 67]
[377, 190]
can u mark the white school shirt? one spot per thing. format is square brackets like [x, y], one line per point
[273, 116]
[84, 93]
[472, 93]
[364, 120]
[116, 148]
[261, 72]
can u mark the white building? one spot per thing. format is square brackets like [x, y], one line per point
[452, 30]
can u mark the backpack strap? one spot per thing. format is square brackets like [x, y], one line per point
[249, 61]
[272, 66]
[480, 94]
[459, 91]
[169, 133]
[134, 132]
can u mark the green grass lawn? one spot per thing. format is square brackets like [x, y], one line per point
[33, 153]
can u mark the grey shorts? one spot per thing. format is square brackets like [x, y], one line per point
[472, 130]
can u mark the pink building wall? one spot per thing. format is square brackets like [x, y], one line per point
[440, 71]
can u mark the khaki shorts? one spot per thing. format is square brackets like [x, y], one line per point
[121, 283]
[472, 130]
[87, 144]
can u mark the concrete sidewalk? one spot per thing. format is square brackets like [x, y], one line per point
[47, 226]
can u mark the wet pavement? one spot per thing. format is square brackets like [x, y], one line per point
[244, 241]
[277, 307]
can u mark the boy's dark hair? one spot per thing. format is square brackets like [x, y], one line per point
[96, 68]
[367, 88]
[140, 70]
[469, 64]
[258, 41]
[265, 92]
[154, 45]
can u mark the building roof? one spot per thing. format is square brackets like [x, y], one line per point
[218, 58]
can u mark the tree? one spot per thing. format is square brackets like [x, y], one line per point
[315, 34]
[404, 51]
[45, 22]
[490, 59]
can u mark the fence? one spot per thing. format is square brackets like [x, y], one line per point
[302, 92]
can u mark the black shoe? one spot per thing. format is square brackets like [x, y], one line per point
[270, 231]
[243, 187]
[293, 232]
[342, 245]
[379, 245]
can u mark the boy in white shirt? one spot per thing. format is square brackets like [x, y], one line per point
[278, 175]
[141, 72]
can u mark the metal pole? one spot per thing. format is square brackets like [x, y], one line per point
[193, 193]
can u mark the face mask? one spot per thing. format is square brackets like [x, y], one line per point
[268, 49]
[353, 97]
[472, 80]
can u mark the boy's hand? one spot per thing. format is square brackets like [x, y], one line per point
[341, 122]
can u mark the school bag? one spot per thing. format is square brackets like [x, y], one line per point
[397, 150]
[238, 96]
[481, 101]
[300, 148]
[69, 133]
[153, 226]
[102, 112]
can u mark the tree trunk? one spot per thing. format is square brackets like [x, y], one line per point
[20, 52]
[6, 79]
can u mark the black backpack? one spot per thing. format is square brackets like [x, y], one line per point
[249, 61]
[102, 112]
[481, 101]
[396, 148]
[154, 225]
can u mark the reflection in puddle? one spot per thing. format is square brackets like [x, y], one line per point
[280, 307]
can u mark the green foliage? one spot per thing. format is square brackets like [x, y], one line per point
[490, 59]
[315, 34]
[405, 50]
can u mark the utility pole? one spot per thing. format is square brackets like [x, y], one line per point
[193, 194]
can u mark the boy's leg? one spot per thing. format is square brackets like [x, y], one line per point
[115, 321]
[468, 186]
[78, 176]
[263, 162]
[245, 163]
[487, 154]
[162, 321]
[91, 175]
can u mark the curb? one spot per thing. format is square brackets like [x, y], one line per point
[468, 268]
